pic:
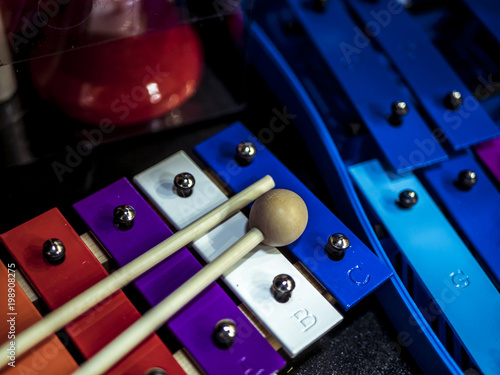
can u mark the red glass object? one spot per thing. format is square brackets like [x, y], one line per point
[119, 69]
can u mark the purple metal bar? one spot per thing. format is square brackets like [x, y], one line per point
[489, 152]
[193, 325]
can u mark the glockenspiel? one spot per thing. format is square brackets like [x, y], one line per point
[279, 309]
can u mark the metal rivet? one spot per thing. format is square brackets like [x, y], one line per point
[245, 152]
[336, 246]
[123, 217]
[184, 183]
[399, 109]
[282, 288]
[453, 100]
[466, 179]
[224, 333]
[156, 371]
[407, 198]
[54, 251]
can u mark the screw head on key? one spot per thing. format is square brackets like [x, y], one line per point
[399, 109]
[156, 371]
[123, 217]
[337, 245]
[224, 333]
[245, 152]
[466, 179]
[282, 288]
[453, 100]
[54, 251]
[184, 184]
[407, 199]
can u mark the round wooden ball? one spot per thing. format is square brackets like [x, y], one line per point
[281, 215]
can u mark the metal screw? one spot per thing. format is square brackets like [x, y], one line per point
[156, 371]
[224, 333]
[337, 245]
[453, 100]
[123, 217]
[54, 251]
[282, 288]
[184, 183]
[407, 198]
[399, 109]
[466, 179]
[245, 152]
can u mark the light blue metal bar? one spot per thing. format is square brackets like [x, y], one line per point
[464, 293]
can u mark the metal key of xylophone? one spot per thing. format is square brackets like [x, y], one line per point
[489, 152]
[296, 324]
[328, 31]
[47, 358]
[58, 284]
[415, 57]
[349, 280]
[455, 281]
[278, 217]
[472, 205]
[194, 324]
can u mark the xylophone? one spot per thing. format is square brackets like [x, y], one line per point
[291, 309]
[399, 110]
[393, 102]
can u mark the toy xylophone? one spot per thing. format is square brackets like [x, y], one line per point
[266, 302]
[393, 102]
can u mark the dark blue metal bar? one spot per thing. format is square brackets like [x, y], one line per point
[371, 89]
[427, 73]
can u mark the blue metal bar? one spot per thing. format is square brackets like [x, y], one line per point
[350, 279]
[371, 89]
[427, 73]
[476, 210]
